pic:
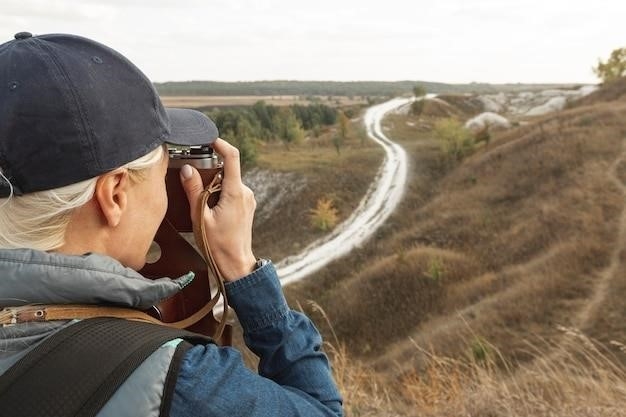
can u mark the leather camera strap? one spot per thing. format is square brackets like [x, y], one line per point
[51, 312]
[199, 232]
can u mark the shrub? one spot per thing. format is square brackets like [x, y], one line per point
[456, 141]
[324, 217]
[435, 269]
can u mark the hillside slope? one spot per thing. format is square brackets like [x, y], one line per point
[506, 270]
[524, 236]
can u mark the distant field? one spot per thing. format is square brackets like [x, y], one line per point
[218, 101]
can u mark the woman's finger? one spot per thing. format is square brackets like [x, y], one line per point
[232, 165]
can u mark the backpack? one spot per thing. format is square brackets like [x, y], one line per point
[36, 386]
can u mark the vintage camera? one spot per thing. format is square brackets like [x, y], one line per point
[178, 255]
[206, 161]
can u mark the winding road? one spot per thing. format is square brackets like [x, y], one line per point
[379, 202]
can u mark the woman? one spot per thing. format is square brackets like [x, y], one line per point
[83, 161]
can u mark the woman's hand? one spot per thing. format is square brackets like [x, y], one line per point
[228, 224]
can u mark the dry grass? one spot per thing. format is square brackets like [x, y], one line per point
[521, 236]
[572, 375]
[534, 215]
[568, 375]
[533, 218]
[370, 313]
[524, 230]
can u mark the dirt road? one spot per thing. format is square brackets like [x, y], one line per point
[379, 202]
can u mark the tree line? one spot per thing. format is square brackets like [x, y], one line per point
[244, 127]
[329, 88]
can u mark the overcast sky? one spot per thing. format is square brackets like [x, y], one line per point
[440, 40]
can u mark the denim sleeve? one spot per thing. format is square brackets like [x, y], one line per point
[294, 376]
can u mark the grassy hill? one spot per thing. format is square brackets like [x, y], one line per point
[498, 287]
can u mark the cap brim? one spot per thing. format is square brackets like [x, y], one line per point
[190, 127]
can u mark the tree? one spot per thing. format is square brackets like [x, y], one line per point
[241, 129]
[341, 135]
[419, 91]
[418, 105]
[262, 113]
[344, 125]
[613, 68]
[243, 139]
[289, 128]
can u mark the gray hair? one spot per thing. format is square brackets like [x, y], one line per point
[39, 220]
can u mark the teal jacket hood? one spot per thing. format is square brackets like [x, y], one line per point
[36, 277]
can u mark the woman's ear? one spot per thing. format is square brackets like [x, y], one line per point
[111, 194]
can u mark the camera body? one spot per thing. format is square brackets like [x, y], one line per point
[207, 163]
[177, 255]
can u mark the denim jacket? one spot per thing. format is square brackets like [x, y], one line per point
[293, 379]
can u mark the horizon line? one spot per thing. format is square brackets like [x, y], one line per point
[379, 81]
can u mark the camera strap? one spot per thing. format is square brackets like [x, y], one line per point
[194, 304]
[51, 312]
[214, 187]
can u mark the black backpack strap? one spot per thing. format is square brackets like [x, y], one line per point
[75, 371]
[172, 375]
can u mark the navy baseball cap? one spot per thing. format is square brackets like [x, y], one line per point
[72, 109]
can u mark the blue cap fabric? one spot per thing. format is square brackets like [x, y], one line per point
[72, 109]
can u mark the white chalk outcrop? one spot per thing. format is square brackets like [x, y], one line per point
[552, 105]
[525, 103]
[487, 120]
[533, 103]
[495, 103]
